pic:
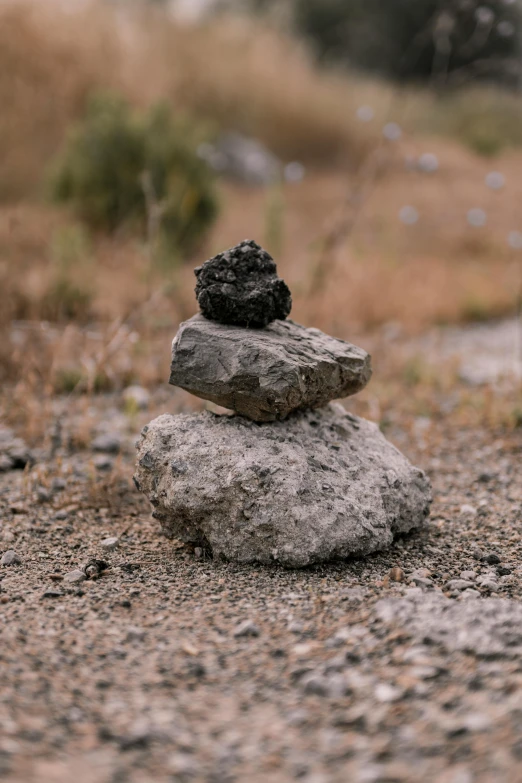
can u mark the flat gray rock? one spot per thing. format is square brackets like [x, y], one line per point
[265, 374]
[322, 485]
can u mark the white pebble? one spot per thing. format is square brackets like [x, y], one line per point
[469, 594]
[10, 558]
[246, 628]
[136, 396]
[75, 576]
[386, 693]
[110, 543]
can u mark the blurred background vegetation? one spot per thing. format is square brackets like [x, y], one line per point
[373, 146]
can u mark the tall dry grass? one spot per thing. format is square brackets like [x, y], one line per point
[45, 77]
[230, 74]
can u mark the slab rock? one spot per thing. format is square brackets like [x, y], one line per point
[241, 287]
[265, 374]
[322, 485]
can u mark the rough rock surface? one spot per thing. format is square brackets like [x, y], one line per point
[265, 374]
[322, 485]
[488, 628]
[241, 287]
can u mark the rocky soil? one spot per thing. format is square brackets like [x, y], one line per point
[128, 657]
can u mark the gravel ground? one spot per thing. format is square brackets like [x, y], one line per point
[163, 665]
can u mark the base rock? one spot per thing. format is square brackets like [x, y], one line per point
[322, 485]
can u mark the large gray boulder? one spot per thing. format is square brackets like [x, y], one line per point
[265, 374]
[322, 485]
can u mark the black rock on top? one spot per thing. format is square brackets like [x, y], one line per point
[240, 287]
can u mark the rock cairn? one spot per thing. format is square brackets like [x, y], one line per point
[291, 477]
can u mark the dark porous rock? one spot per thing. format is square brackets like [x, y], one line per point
[241, 287]
[321, 485]
[265, 374]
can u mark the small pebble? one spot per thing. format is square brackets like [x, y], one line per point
[136, 397]
[504, 571]
[51, 592]
[459, 584]
[42, 495]
[10, 558]
[489, 584]
[110, 543]
[492, 558]
[424, 573]
[135, 634]
[477, 553]
[421, 581]
[386, 693]
[315, 685]
[469, 593]
[396, 574]
[101, 462]
[107, 444]
[468, 510]
[246, 628]
[468, 575]
[73, 577]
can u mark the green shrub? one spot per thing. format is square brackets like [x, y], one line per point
[120, 168]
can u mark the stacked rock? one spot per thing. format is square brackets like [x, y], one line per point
[291, 477]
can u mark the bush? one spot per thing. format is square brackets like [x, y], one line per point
[120, 169]
[419, 39]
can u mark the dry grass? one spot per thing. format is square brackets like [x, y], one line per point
[44, 80]
[85, 313]
[440, 271]
[229, 74]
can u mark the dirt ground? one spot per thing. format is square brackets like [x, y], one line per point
[166, 666]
